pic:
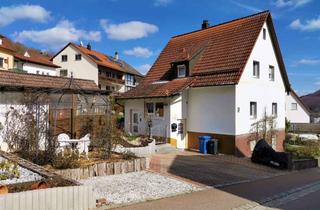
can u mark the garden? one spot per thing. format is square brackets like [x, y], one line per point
[61, 131]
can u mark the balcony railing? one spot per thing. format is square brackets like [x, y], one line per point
[111, 79]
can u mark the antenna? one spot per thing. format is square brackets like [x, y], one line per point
[81, 43]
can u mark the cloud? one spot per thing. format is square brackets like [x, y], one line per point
[309, 61]
[56, 37]
[309, 25]
[247, 7]
[144, 68]
[139, 52]
[291, 3]
[11, 14]
[128, 30]
[161, 3]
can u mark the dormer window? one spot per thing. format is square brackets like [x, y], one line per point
[181, 70]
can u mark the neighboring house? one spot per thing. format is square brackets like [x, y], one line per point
[110, 73]
[17, 57]
[312, 101]
[296, 110]
[215, 81]
[15, 85]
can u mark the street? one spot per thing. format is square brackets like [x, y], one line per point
[297, 190]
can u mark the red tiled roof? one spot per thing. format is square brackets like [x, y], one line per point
[36, 58]
[219, 53]
[6, 44]
[104, 60]
[160, 89]
[18, 51]
[11, 80]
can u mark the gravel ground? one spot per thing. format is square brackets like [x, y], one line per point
[137, 187]
[25, 176]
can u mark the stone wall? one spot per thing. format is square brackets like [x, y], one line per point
[105, 169]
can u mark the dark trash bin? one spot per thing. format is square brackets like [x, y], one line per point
[212, 147]
[264, 154]
[203, 141]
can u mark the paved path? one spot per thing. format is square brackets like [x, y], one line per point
[289, 191]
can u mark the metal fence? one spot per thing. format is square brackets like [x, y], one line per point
[60, 198]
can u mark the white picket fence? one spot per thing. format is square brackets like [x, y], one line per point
[60, 198]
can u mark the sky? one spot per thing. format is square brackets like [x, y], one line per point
[139, 29]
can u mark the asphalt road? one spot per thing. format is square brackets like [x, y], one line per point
[298, 190]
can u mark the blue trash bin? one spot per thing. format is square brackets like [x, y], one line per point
[203, 140]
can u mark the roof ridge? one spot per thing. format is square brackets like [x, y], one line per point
[41, 75]
[219, 24]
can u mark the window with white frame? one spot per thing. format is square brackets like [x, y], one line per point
[64, 58]
[271, 73]
[63, 73]
[181, 70]
[274, 109]
[264, 32]
[78, 57]
[256, 69]
[294, 106]
[253, 109]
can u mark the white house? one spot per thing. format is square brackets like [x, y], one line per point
[17, 57]
[296, 110]
[109, 73]
[215, 81]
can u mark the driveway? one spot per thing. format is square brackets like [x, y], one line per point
[210, 170]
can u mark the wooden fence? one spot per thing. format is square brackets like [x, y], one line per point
[60, 198]
[304, 128]
[105, 169]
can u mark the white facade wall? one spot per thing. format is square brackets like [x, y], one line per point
[83, 69]
[13, 100]
[39, 69]
[212, 110]
[136, 105]
[260, 90]
[296, 116]
[160, 125]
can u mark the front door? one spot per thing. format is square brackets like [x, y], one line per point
[135, 122]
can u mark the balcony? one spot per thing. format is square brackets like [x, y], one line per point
[111, 79]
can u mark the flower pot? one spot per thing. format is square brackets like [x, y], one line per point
[4, 190]
[40, 185]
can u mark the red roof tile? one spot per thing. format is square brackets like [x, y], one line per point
[219, 53]
[18, 51]
[104, 60]
[10, 79]
[158, 89]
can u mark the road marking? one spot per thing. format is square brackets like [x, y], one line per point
[281, 198]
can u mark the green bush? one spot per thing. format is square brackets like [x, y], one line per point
[308, 150]
[70, 159]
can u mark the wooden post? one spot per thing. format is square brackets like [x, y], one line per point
[73, 133]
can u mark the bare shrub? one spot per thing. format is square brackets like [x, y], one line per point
[264, 128]
[27, 131]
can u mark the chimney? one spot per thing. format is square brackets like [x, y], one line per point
[89, 46]
[205, 24]
[116, 56]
